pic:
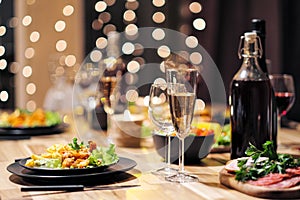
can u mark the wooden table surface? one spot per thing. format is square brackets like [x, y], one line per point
[151, 186]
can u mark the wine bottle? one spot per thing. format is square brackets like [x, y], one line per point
[250, 100]
[259, 27]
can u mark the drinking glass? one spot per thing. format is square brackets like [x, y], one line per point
[283, 86]
[159, 114]
[108, 97]
[181, 89]
[87, 81]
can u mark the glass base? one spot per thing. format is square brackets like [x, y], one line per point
[182, 178]
[165, 172]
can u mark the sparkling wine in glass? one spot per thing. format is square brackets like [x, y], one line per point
[159, 114]
[284, 89]
[181, 83]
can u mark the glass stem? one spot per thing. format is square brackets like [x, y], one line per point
[109, 128]
[168, 156]
[181, 155]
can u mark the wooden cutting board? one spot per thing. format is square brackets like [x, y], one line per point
[228, 180]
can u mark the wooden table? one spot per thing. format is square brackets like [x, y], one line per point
[151, 186]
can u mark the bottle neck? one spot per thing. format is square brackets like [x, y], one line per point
[251, 51]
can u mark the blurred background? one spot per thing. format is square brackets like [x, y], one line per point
[43, 43]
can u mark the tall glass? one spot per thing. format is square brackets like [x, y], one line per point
[284, 89]
[159, 114]
[108, 97]
[181, 83]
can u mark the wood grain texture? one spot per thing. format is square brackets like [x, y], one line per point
[228, 180]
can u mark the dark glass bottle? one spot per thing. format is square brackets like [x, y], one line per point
[250, 100]
[259, 27]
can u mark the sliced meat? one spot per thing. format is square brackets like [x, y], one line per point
[287, 183]
[269, 179]
[231, 166]
[293, 171]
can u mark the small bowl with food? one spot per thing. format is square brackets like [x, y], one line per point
[197, 144]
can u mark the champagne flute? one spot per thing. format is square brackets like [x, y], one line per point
[159, 114]
[182, 82]
[283, 86]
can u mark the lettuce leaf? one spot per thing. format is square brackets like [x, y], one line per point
[103, 156]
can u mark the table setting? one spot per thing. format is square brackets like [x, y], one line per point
[182, 151]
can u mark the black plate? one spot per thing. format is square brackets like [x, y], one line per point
[123, 165]
[33, 131]
[64, 171]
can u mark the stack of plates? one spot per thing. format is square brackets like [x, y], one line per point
[31, 174]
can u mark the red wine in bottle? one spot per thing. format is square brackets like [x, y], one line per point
[250, 118]
[251, 97]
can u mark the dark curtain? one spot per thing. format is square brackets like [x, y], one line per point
[291, 48]
[227, 20]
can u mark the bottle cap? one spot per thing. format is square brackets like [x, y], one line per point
[259, 25]
[250, 36]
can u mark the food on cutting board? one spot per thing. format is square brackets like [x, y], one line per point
[266, 168]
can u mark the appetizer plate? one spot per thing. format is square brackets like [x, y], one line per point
[43, 170]
[228, 180]
[33, 131]
[124, 164]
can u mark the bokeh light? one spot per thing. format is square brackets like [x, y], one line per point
[132, 5]
[105, 17]
[2, 30]
[34, 36]
[60, 25]
[199, 24]
[129, 15]
[2, 50]
[158, 17]
[3, 64]
[70, 60]
[195, 7]
[132, 95]
[101, 42]
[131, 29]
[196, 58]
[26, 21]
[29, 52]
[68, 10]
[100, 6]
[61, 45]
[27, 71]
[191, 42]
[158, 3]
[95, 55]
[158, 34]
[128, 48]
[30, 88]
[31, 105]
[133, 66]
[4, 96]
[163, 51]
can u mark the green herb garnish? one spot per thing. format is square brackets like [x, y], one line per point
[102, 156]
[265, 161]
[75, 145]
